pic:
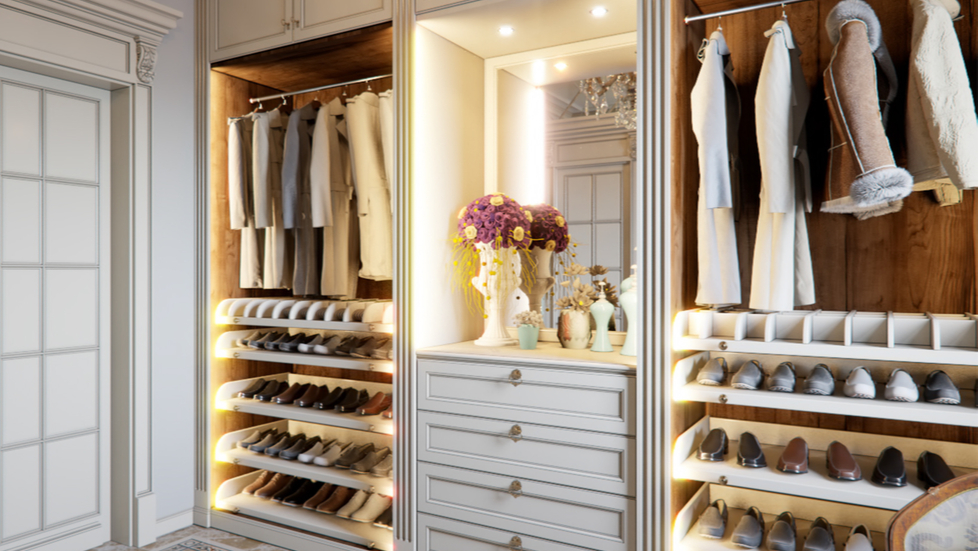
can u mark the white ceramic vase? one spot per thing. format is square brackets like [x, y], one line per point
[496, 281]
[543, 280]
[574, 328]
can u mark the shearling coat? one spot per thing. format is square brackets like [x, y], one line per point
[942, 128]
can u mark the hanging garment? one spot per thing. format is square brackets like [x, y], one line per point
[267, 149]
[341, 244]
[782, 275]
[862, 177]
[716, 116]
[387, 138]
[240, 202]
[942, 128]
[297, 200]
[370, 181]
[320, 169]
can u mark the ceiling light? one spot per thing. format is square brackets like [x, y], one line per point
[599, 11]
[505, 30]
[560, 66]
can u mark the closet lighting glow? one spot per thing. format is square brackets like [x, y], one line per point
[506, 30]
[560, 66]
[599, 11]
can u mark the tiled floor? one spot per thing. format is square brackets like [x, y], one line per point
[196, 538]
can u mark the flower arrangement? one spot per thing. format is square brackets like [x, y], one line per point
[549, 228]
[582, 295]
[529, 317]
[494, 219]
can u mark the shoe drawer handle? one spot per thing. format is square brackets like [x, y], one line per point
[516, 488]
[516, 377]
[516, 433]
[516, 544]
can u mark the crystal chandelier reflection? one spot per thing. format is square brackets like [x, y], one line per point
[622, 89]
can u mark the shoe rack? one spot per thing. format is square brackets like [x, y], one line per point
[237, 313]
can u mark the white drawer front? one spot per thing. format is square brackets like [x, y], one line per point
[578, 400]
[442, 534]
[592, 520]
[597, 461]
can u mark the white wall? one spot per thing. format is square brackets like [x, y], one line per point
[173, 272]
[521, 117]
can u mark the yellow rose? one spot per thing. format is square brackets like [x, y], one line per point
[471, 232]
[461, 213]
[551, 245]
[529, 216]
[518, 234]
[496, 201]
[560, 221]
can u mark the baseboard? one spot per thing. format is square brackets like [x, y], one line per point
[174, 522]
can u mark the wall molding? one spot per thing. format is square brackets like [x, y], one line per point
[174, 522]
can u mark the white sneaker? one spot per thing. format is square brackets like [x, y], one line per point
[860, 384]
[312, 453]
[375, 505]
[353, 505]
[331, 454]
[901, 387]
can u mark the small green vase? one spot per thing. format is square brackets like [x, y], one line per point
[529, 335]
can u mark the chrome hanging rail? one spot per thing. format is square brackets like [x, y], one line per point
[690, 18]
[318, 88]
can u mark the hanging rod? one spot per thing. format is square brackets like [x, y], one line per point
[318, 88]
[690, 18]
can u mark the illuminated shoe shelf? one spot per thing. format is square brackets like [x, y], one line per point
[227, 451]
[227, 348]
[230, 498]
[227, 399]
[303, 314]
[815, 484]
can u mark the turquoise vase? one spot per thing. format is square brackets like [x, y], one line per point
[529, 335]
[629, 303]
[601, 311]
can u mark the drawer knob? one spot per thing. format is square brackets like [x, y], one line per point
[516, 544]
[516, 377]
[516, 433]
[516, 488]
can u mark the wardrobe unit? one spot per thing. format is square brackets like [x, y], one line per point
[892, 292]
[359, 55]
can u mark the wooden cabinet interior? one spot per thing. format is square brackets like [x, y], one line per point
[348, 56]
[922, 259]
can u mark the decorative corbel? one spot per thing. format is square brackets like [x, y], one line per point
[632, 145]
[145, 61]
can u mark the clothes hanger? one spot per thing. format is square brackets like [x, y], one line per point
[257, 107]
[284, 107]
[784, 14]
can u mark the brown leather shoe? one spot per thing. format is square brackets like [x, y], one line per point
[337, 499]
[794, 458]
[277, 484]
[291, 394]
[262, 479]
[377, 404]
[312, 395]
[841, 464]
[319, 497]
[388, 413]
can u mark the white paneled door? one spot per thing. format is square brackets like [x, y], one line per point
[54, 313]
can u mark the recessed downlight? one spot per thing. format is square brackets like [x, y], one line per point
[506, 30]
[560, 65]
[599, 11]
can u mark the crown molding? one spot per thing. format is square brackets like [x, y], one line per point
[144, 20]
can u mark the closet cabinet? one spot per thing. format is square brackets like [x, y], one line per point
[240, 27]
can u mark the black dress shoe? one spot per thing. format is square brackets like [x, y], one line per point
[312, 395]
[253, 389]
[750, 453]
[303, 494]
[714, 446]
[331, 399]
[293, 487]
[272, 390]
[932, 470]
[353, 400]
[890, 469]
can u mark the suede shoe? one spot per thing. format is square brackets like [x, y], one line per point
[332, 453]
[820, 381]
[386, 519]
[269, 441]
[335, 500]
[296, 485]
[264, 478]
[319, 497]
[713, 373]
[255, 438]
[274, 486]
[820, 536]
[713, 521]
[385, 468]
[940, 389]
[376, 504]
[353, 454]
[303, 494]
[749, 532]
[353, 505]
[782, 534]
[783, 379]
[370, 461]
[749, 376]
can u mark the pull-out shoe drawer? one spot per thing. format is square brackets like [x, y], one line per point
[600, 402]
[598, 461]
[593, 520]
[442, 534]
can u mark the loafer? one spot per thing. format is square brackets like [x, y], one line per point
[275, 485]
[932, 470]
[384, 350]
[294, 391]
[386, 519]
[820, 381]
[330, 400]
[859, 539]
[749, 452]
[749, 376]
[714, 446]
[340, 495]
[306, 347]
[292, 344]
[374, 506]
[841, 465]
[940, 389]
[353, 454]
[319, 497]
[268, 442]
[376, 405]
[820, 536]
[273, 343]
[333, 452]
[365, 349]
[713, 373]
[781, 537]
[259, 343]
[794, 458]
[309, 489]
[353, 505]
[749, 532]
[254, 336]
[900, 387]
[859, 384]
[263, 478]
[385, 468]
[253, 389]
[346, 345]
[783, 379]
[713, 521]
[315, 451]
[299, 447]
[272, 390]
[369, 461]
[284, 444]
[312, 395]
[356, 399]
[293, 487]
[389, 412]
[255, 438]
[328, 346]
[890, 469]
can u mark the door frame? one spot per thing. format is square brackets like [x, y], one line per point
[131, 31]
